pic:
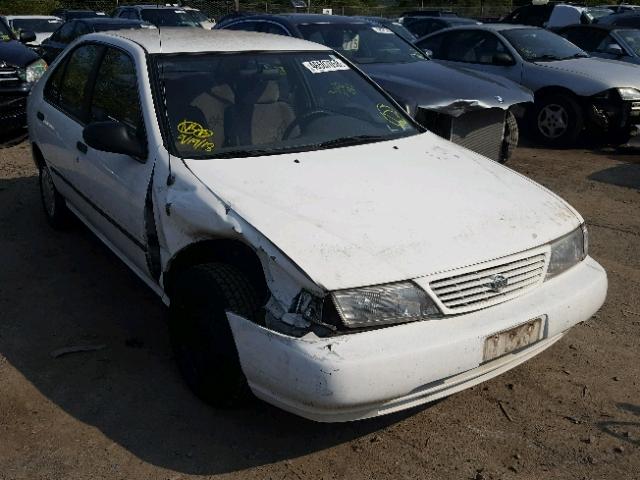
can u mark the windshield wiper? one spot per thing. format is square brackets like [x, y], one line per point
[546, 58]
[348, 141]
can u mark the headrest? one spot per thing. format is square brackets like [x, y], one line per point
[270, 92]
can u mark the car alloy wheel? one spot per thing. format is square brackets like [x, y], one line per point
[553, 121]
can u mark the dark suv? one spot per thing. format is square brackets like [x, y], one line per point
[20, 68]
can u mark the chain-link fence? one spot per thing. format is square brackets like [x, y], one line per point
[219, 8]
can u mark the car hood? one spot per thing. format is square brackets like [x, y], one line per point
[610, 73]
[16, 54]
[449, 90]
[387, 211]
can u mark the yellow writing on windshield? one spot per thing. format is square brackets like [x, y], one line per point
[392, 116]
[196, 136]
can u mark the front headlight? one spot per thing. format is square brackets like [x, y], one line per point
[628, 93]
[33, 72]
[567, 251]
[384, 304]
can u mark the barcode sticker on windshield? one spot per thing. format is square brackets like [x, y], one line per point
[381, 30]
[323, 66]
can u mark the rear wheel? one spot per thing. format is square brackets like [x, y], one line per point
[53, 204]
[557, 120]
[201, 337]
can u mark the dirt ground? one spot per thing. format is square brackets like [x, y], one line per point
[123, 411]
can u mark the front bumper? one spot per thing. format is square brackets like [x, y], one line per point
[13, 108]
[617, 118]
[374, 373]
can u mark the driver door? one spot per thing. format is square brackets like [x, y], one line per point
[116, 184]
[478, 50]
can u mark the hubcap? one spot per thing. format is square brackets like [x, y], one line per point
[553, 120]
[48, 192]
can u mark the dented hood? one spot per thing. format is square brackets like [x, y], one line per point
[445, 89]
[387, 211]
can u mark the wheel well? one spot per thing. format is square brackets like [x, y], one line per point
[231, 252]
[554, 90]
[38, 158]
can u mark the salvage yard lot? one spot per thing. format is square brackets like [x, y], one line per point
[124, 412]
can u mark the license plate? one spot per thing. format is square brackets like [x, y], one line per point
[522, 336]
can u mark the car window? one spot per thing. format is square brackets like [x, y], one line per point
[362, 42]
[540, 45]
[471, 46]
[244, 104]
[632, 38]
[585, 38]
[433, 44]
[168, 17]
[5, 32]
[534, 15]
[268, 27]
[81, 29]
[631, 21]
[606, 44]
[245, 26]
[70, 91]
[65, 33]
[424, 26]
[39, 25]
[115, 93]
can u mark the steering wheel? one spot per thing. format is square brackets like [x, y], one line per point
[303, 120]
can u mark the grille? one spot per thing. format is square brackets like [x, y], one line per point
[8, 76]
[475, 290]
[481, 131]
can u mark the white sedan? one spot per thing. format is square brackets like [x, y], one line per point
[315, 246]
[42, 25]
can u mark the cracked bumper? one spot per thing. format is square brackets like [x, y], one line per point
[374, 373]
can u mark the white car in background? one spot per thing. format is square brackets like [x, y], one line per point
[42, 25]
[313, 243]
[206, 22]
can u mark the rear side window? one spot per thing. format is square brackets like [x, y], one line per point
[115, 95]
[585, 38]
[68, 90]
[64, 34]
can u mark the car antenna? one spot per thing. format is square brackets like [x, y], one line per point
[170, 178]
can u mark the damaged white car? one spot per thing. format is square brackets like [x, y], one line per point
[314, 245]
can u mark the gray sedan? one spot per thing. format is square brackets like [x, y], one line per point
[573, 91]
[605, 41]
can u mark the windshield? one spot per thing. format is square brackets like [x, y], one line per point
[166, 17]
[38, 25]
[632, 38]
[539, 45]
[250, 104]
[362, 42]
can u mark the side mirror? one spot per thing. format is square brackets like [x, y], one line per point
[615, 49]
[113, 137]
[428, 53]
[502, 59]
[27, 36]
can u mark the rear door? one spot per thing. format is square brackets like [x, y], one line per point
[63, 115]
[474, 49]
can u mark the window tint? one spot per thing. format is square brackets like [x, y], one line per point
[246, 26]
[421, 27]
[534, 15]
[54, 83]
[268, 27]
[434, 44]
[115, 95]
[585, 38]
[472, 46]
[606, 43]
[73, 89]
[64, 33]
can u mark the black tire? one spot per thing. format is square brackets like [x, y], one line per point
[53, 204]
[557, 120]
[511, 137]
[201, 337]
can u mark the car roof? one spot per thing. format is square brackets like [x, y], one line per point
[194, 40]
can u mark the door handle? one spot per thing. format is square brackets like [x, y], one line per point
[40, 116]
[82, 147]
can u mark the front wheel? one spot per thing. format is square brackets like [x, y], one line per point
[201, 337]
[557, 120]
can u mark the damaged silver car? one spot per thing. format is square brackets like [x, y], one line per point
[475, 110]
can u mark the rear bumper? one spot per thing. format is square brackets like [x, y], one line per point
[373, 373]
